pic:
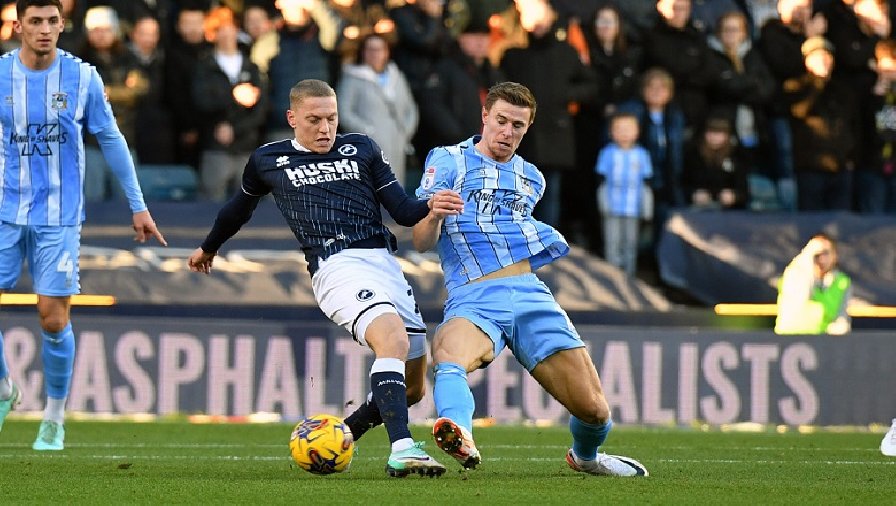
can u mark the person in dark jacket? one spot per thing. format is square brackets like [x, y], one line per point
[551, 68]
[227, 90]
[744, 88]
[779, 41]
[823, 121]
[452, 96]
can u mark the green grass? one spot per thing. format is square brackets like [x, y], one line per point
[180, 463]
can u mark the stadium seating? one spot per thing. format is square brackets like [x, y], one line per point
[168, 182]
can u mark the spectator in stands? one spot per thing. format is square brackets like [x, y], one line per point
[638, 18]
[375, 99]
[422, 39]
[677, 46]
[73, 36]
[661, 132]
[308, 34]
[182, 55]
[154, 142]
[452, 98]
[624, 198]
[125, 85]
[823, 121]
[257, 22]
[878, 182]
[551, 69]
[854, 28]
[813, 293]
[617, 67]
[715, 175]
[9, 39]
[780, 41]
[744, 88]
[706, 14]
[227, 91]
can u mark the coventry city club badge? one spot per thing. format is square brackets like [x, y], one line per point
[59, 101]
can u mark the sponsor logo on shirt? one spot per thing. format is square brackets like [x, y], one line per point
[59, 101]
[324, 172]
[38, 139]
[429, 178]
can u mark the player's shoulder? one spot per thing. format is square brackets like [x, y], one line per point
[70, 59]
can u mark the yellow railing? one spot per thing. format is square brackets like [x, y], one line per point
[772, 310]
[24, 299]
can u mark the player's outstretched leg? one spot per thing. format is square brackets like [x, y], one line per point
[455, 406]
[455, 440]
[606, 465]
[390, 394]
[584, 457]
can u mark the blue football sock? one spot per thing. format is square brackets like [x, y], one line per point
[58, 353]
[587, 438]
[4, 369]
[390, 394]
[452, 396]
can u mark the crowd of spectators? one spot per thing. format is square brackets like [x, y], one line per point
[728, 94]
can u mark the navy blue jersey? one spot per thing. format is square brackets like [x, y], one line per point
[332, 201]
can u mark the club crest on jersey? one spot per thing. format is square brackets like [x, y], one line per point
[526, 186]
[365, 295]
[59, 101]
[348, 150]
[429, 178]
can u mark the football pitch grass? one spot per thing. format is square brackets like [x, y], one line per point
[182, 463]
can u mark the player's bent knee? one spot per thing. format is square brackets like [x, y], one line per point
[595, 412]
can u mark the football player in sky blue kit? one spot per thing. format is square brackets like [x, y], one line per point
[495, 301]
[49, 97]
[329, 189]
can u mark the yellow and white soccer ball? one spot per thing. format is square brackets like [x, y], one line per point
[322, 444]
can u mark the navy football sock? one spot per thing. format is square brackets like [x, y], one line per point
[390, 395]
[366, 417]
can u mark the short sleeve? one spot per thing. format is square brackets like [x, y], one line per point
[99, 111]
[439, 174]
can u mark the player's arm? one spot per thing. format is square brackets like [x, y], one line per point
[232, 216]
[437, 184]
[235, 213]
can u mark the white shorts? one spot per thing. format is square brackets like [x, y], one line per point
[355, 286]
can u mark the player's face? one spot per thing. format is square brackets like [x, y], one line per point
[503, 127]
[314, 121]
[826, 259]
[39, 29]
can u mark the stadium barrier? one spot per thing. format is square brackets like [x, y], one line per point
[166, 365]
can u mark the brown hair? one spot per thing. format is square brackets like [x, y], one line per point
[512, 93]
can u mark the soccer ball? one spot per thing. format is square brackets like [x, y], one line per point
[322, 444]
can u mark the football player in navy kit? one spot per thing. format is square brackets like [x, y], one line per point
[330, 189]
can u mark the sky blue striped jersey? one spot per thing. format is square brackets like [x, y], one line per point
[496, 228]
[625, 172]
[41, 122]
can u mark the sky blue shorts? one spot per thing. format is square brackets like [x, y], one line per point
[51, 253]
[517, 312]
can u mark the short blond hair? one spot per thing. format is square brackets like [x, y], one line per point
[309, 88]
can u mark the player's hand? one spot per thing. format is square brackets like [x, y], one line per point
[200, 261]
[145, 228]
[446, 203]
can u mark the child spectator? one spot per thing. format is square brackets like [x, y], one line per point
[624, 196]
[715, 175]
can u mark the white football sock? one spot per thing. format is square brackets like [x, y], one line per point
[55, 410]
[402, 444]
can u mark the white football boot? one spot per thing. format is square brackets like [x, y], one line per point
[888, 444]
[606, 465]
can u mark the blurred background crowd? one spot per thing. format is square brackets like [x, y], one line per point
[760, 105]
